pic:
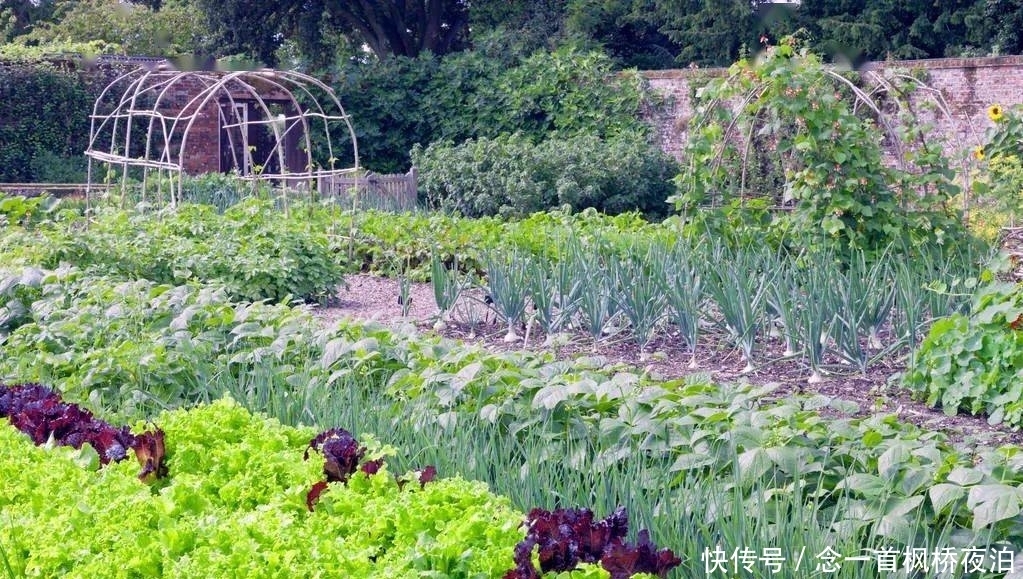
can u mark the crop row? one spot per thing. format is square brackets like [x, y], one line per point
[554, 272]
[670, 447]
[819, 311]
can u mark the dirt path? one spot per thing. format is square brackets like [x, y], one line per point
[376, 298]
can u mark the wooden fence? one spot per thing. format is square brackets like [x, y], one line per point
[373, 190]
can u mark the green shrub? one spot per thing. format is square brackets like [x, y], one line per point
[481, 94]
[513, 176]
[51, 167]
[790, 130]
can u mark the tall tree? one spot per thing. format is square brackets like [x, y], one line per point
[18, 16]
[1004, 19]
[710, 32]
[880, 29]
[627, 29]
[132, 28]
[385, 27]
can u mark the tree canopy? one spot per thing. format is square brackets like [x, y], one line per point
[646, 34]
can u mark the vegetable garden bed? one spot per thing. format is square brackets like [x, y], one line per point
[708, 466]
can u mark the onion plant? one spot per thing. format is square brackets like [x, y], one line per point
[568, 280]
[541, 286]
[508, 288]
[683, 287]
[638, 292]
[739, 285]
[874, 286]
[911, 299]
[405, 294]
[470, 311]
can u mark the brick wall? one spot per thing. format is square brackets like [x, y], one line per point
[967, 86]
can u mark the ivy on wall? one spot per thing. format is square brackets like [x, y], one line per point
[44, 122]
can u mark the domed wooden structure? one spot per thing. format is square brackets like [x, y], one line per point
[155, 124]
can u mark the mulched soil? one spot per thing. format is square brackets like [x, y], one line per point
[375, 298]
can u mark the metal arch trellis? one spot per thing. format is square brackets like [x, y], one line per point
[148, 98]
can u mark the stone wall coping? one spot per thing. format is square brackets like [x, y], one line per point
[926, 63]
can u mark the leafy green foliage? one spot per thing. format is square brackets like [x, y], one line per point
[1001, 158]
[25, 211]
[130, 27]
[973, 363]
[385, 240]
[695, 429]
[883, 29]
[513, 176]
[137, 344]
[483, 94]
[841, 193]
[46, 112]
[709, 33]
[249, 249]
[234, 502]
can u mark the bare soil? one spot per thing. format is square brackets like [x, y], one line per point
[878, 391]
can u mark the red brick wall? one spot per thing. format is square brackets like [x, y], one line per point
[967, 85]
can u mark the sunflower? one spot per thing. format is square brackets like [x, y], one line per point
[978, 153]
[995, 113]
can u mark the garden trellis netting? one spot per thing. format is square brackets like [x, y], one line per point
[153, 125]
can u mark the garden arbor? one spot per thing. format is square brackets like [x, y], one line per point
[154, 124]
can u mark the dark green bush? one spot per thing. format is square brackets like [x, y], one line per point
[45, 114]
[483, 93]
[512, 176]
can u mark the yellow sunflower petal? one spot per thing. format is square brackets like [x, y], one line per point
[995, 113]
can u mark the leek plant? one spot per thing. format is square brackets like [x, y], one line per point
[638, 292]
[596, 305]
[817, 314]
[864, 299]
[683, 288]
[447, 287]
[781, 301]
[739, 286]
[508, 288]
